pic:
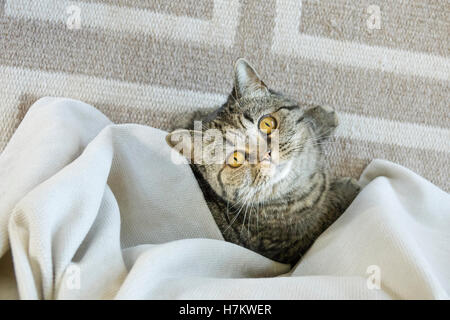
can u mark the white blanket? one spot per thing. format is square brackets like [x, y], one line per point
[93, 210]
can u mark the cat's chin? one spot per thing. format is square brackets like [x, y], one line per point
[271, 189]
[281, 171]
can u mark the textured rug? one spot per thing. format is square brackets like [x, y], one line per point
[384, 65]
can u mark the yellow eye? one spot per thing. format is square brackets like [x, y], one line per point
[267, 124]
[236, 159]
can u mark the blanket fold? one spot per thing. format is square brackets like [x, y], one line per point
[93, 210]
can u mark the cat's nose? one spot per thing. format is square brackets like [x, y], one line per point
[267, 155]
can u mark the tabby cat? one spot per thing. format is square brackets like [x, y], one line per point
[280, 203]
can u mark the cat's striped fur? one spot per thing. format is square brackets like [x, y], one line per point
[281, 214]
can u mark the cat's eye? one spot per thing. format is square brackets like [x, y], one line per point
[236, 159]
[267, 124]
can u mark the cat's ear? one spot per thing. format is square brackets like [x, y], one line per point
[246, 80]
[323, 120]
[185, 142]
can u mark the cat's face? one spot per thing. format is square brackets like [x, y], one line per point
[266, 142]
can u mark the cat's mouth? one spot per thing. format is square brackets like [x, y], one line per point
[282, 171]
[274, 173]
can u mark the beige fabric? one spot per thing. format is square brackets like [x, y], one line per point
[91, 210]
[145, 61]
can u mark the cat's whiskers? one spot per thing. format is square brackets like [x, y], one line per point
[244, 203]
[251, 196]
[245, 215]
[249, 217]
[228, 211]
[234, 219]
[257, 218]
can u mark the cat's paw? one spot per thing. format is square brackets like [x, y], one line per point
[349, 187]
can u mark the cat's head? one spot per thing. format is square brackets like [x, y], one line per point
[259, 145]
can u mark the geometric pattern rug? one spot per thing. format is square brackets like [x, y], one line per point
[383, 65]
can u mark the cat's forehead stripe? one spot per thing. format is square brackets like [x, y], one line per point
[248, 117]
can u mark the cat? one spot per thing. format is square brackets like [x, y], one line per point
[280, 203]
